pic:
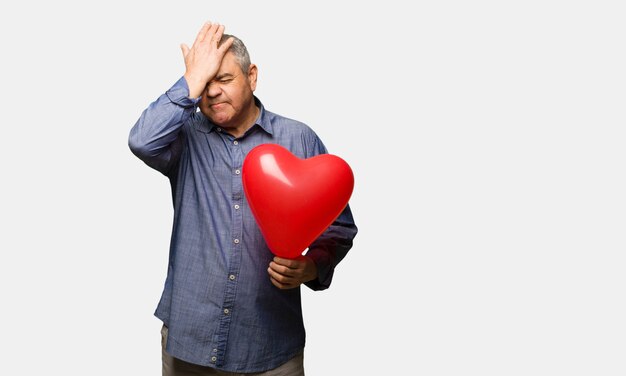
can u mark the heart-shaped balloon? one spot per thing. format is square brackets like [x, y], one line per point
[294, 200]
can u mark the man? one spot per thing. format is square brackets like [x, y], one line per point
[228, 305]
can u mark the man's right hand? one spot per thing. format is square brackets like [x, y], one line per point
[203, 59]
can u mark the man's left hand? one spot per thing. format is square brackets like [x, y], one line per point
[291, 273]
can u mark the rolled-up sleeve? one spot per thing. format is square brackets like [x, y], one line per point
[331, 247]
[153, 137]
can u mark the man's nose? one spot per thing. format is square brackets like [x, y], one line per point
[213, 89]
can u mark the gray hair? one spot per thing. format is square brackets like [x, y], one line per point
[239, 50]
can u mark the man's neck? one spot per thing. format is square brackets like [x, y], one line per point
[246, 123]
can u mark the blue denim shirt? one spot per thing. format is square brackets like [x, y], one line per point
[218, 302]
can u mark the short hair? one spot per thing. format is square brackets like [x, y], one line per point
[239, 50]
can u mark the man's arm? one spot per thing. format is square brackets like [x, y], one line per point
[330, 248]
[153, 138]
[315, 269]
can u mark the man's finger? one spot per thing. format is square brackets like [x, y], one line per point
[185, 49]
[282, 269]
[277, 284]
[227, 43]
[280, 273]
[203, 31]
[213, 29]
[218, 33]
[282, 286]
[290, 263]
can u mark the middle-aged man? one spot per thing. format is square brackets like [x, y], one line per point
[228, 304]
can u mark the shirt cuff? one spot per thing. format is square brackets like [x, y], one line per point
[324, 269]
[179, 94]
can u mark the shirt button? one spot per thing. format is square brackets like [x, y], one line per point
[214, 350]
[214, 359]
[236, 206]
[219, 129]
[226, 311]
[236, 142]
[237, 172]
[231, 277]
[236, 241]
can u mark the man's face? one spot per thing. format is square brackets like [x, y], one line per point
[227, 100]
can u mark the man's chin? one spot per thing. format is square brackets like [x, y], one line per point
[220, 121]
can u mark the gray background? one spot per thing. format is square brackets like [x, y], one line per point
[487, 142]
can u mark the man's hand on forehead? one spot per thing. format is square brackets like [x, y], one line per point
[204, 57]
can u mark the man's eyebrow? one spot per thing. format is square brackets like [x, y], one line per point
[225, 75]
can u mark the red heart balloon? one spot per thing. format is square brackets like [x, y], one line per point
[294, 200]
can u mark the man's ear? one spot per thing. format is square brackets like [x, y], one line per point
[252, 75]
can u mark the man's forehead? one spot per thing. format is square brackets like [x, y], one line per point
[230, 66]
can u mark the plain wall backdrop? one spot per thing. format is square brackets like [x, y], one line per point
[487, 142]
